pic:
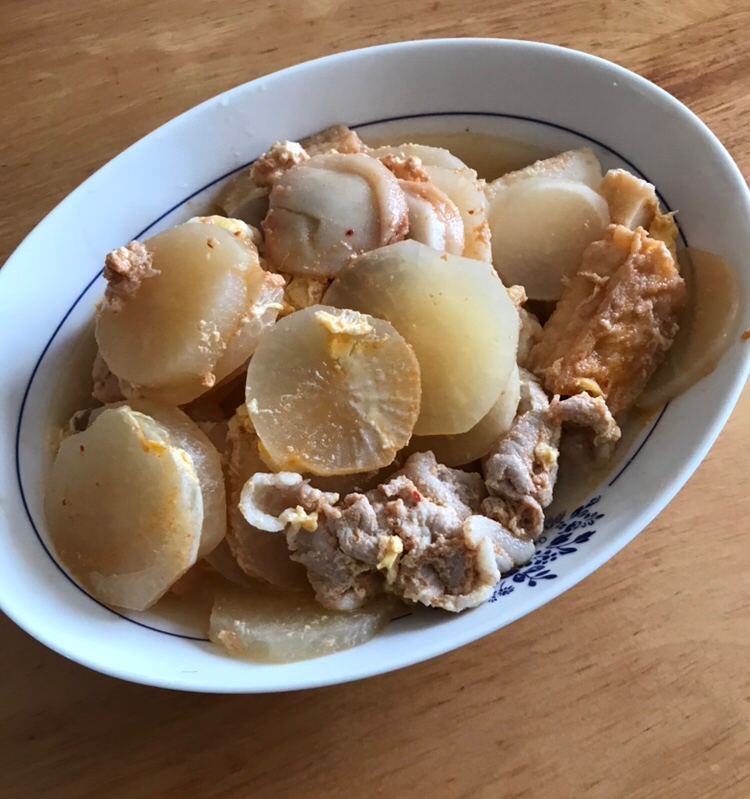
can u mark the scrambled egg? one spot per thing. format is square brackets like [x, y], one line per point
[347, 330]
[299, 518]
[389, 560]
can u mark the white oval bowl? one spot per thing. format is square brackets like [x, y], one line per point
[552, 97]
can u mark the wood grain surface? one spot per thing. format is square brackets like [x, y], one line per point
[633, 684]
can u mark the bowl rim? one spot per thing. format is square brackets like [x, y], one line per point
[639, 521]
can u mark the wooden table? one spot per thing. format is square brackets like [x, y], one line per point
[633, 684]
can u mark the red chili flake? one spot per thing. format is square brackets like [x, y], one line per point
[349, 232]
[82, 448]
[471, 211]
[416, 496]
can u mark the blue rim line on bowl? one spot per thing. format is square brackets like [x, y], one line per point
[208, 186]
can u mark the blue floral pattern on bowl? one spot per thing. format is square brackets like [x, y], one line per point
[563, 536]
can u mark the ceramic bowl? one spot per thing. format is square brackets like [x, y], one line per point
[549, 96]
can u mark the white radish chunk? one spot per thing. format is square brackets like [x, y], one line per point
[331, 207]
[457, 316]
[270, 628]
[462, 187]
[125, 509]
[434, 219]
[260, 554]
[184, 433]
[332, 391]
[540, 228]
[581, 166]
[184, 310]
[708, 326]
[428, 155]
[458, 450]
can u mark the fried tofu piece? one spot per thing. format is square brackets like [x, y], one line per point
[615, 320]
[338, 138]
[633, 203]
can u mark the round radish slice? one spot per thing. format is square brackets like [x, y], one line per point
[429, 156]
[581, 166]
[540, 228]
[125, 509]
[457, 316]
[466, 447]
[324, 210]
[708, 324]
[434, 219]
[333, 391]
[184, 310]
[258, 553]
[272, 628]
[463, 188]
[182, 432]
[460, 185]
